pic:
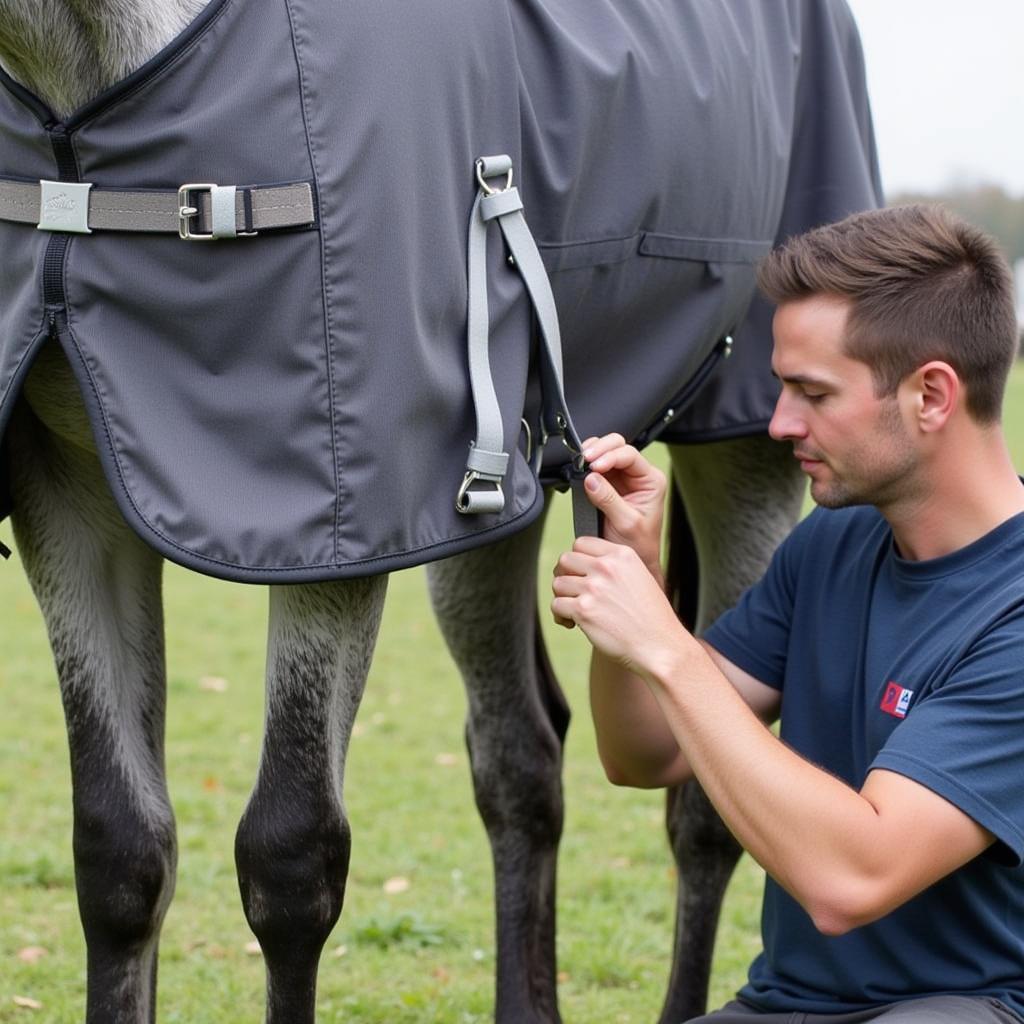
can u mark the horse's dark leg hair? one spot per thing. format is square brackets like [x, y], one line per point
[293, 843]
[742, 497]
[486, 603]
[98, 587]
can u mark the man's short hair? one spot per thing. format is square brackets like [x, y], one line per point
[922, 284]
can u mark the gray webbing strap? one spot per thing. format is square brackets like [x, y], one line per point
[486, 460]
[586, 520]
[219, 210]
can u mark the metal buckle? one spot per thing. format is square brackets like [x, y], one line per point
[487, 190]
[185, 212]
[462, 498]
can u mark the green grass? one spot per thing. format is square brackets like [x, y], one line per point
[422, 955]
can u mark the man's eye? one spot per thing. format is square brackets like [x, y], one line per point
[815, 396]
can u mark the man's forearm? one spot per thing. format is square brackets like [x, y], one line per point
[635, 743]
[820, 839]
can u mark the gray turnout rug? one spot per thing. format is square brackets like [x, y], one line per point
[294, 404]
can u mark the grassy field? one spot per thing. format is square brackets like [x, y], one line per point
[415, 941]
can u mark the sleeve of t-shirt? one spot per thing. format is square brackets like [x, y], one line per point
[965, 739]
[754, 635]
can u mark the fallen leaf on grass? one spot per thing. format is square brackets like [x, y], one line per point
[253, 949]
[441, 975]
[393, 886]
[27, 1004]
[212, 785]
[32, 954]
[563, 977]
[339, 951]
[446, 760]
[213, 684]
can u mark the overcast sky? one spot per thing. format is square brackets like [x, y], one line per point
[947, 90]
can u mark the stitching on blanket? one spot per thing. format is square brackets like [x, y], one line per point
[324, 286]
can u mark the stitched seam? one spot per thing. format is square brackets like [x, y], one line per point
[139, 213]
[251, 570]
[107, 433]
[324, 290]
[286, 206]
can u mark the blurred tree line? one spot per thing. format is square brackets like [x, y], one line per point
[989, 206]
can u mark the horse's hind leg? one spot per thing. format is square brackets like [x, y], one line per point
[742, 498]
[486, 604]
[98, 587]
[293, 843]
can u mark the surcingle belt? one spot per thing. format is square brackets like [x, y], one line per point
[343, 380]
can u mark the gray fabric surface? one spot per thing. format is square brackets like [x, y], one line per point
[297, 406]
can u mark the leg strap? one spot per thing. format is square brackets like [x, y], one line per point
[487, 460]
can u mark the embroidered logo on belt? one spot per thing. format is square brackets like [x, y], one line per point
[896, 700]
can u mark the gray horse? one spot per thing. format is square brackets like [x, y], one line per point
[98, 581]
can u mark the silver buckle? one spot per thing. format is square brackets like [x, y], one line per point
[222, 212]
[186, 212]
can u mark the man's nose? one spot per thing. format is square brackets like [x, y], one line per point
[786, 424]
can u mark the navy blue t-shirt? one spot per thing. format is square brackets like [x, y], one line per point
[917, 668]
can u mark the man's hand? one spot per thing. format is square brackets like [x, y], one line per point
[607, 591]
[630, 493]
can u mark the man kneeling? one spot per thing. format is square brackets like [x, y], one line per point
[887, 636]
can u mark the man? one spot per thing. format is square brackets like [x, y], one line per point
[887, 634]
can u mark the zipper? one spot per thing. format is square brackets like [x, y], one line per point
[690, 390]
[57, 247]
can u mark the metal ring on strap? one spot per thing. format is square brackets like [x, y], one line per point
[491, 167]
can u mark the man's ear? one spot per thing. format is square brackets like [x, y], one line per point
[936, 392]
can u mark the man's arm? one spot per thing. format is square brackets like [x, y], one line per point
[634, 741]
[840, 853]
[635, 744]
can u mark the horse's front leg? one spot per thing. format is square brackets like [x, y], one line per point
[742, 497]
[486, 604]
[293, 843]
[98, 587]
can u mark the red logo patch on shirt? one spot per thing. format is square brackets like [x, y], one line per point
[896, 700]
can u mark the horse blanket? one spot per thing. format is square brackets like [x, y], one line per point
[291, 403]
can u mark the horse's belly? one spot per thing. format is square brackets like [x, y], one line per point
[53, 395]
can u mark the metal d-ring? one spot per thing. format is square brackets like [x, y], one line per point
[487, 190]
[462, 503]
[529, 440]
